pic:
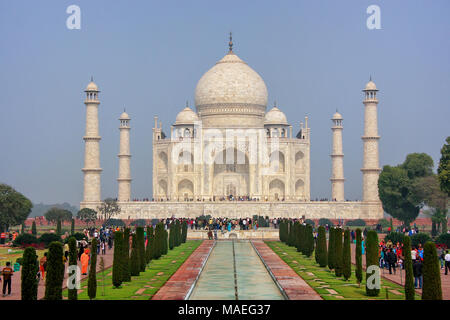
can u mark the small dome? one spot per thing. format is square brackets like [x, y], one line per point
[370, 86]
[275, 116]
[337, 116]
[186, 116]
[124, 116]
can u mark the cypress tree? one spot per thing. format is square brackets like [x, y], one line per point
[331, 250]
[135, 266]
[73, 294]
[72, 227]
[157, 242]
[150, 244]
[338, 256]
[301, 237]
[118, 261]
[171, 235]
[371, 259]
[358, 256]
[282, 231]
[141, 248]
[184, 232]
[92, 281]
[409, 275]
[29, 284]
[178, 233]
[321, 248]
[347, 256]
[297, 239]
[58, 227]
[165, 242]
[33, 228]
[55, 272]
[23, 228]
[126, 276]
[431, 288]
[290, 234]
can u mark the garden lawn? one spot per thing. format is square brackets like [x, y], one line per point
[144, 286]
[321, 279]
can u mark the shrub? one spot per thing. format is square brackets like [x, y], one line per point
[431, 289]
[171, 235]
[444, 238]
[58, 227]
[141, 248]
[20, 259]
[115, 223]
[73, 293]
[331, 250]
[135, 266]
[25, 239]
[371, 259]
[358, 256]
[184, 231]
[33, 229]
[321, 247]
[419, 238]
[126, 275]
[347, 257]
[150, 244]
[72, 227]
[394, 237]
[29, 284]
[117, 260]
[409, 275]
[385, 223]
[311, 222]
[48, 238]
[339, 258]
[324, 221]
[92, 281]
[309, 240]
[356, 223]
[165, 240]
[55, 272]
[79, 236]
[139, 223]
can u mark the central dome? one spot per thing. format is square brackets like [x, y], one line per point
[230, 82]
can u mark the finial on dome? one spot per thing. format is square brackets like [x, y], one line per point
[230, 44]
[92, 79]
[187, 104]
[370, 78]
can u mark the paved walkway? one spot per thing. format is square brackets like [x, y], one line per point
[15, 283]
[179, 284]
[399, 278]
[292, 284]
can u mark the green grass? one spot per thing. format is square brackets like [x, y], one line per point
[167, 264]
[347, 289]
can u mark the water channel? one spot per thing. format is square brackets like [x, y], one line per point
[234, 271]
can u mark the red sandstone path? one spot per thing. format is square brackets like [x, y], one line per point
[179, 284]
[445, 279]
[292, 284]
[15, 283]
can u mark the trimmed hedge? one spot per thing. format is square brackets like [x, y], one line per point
[431, 289]
[48, 238]
[358, 256]
[29, 284]
[25, 239]
[356, 223]
[371, 259]
[321, 248]
[324, 221]
[409, 275]
[444, 238]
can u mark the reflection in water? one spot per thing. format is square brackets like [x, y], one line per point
[217, 280]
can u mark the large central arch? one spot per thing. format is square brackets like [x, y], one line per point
[231, 173]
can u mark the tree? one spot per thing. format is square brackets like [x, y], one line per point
[418, 165]
[358, 256]
[126, 275]
[347, 256]
[72, 227]
[92, 281]
[431, 288]
[73, 293]
[372, 260]
[108, 209]
[141, 248]
[331, 249]
[339, 258]
[409, 275]
[157, 241]
[54, 214]
[55, 272]
[87, 215]
[165, 242]
[33, 228]
[135, 266]
[172, 235]
[23, 228]
[309, 240]
[321, 247]
[184, 232]
[29, 284]
[444, 168]
[58, 227]
[150, 244]
[396, 194]
[14, 207]
[117, 260]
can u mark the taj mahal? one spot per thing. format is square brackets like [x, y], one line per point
[228, 156]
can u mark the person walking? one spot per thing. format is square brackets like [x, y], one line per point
[417, 271]
[447, 261]
[43, 265]
[392, 260]
[7, 273]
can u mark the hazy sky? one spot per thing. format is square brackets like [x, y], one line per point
[315, 56]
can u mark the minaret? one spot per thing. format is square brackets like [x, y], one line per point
[124, 155]
[337, 159]
[370, 169]
[92, 170]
